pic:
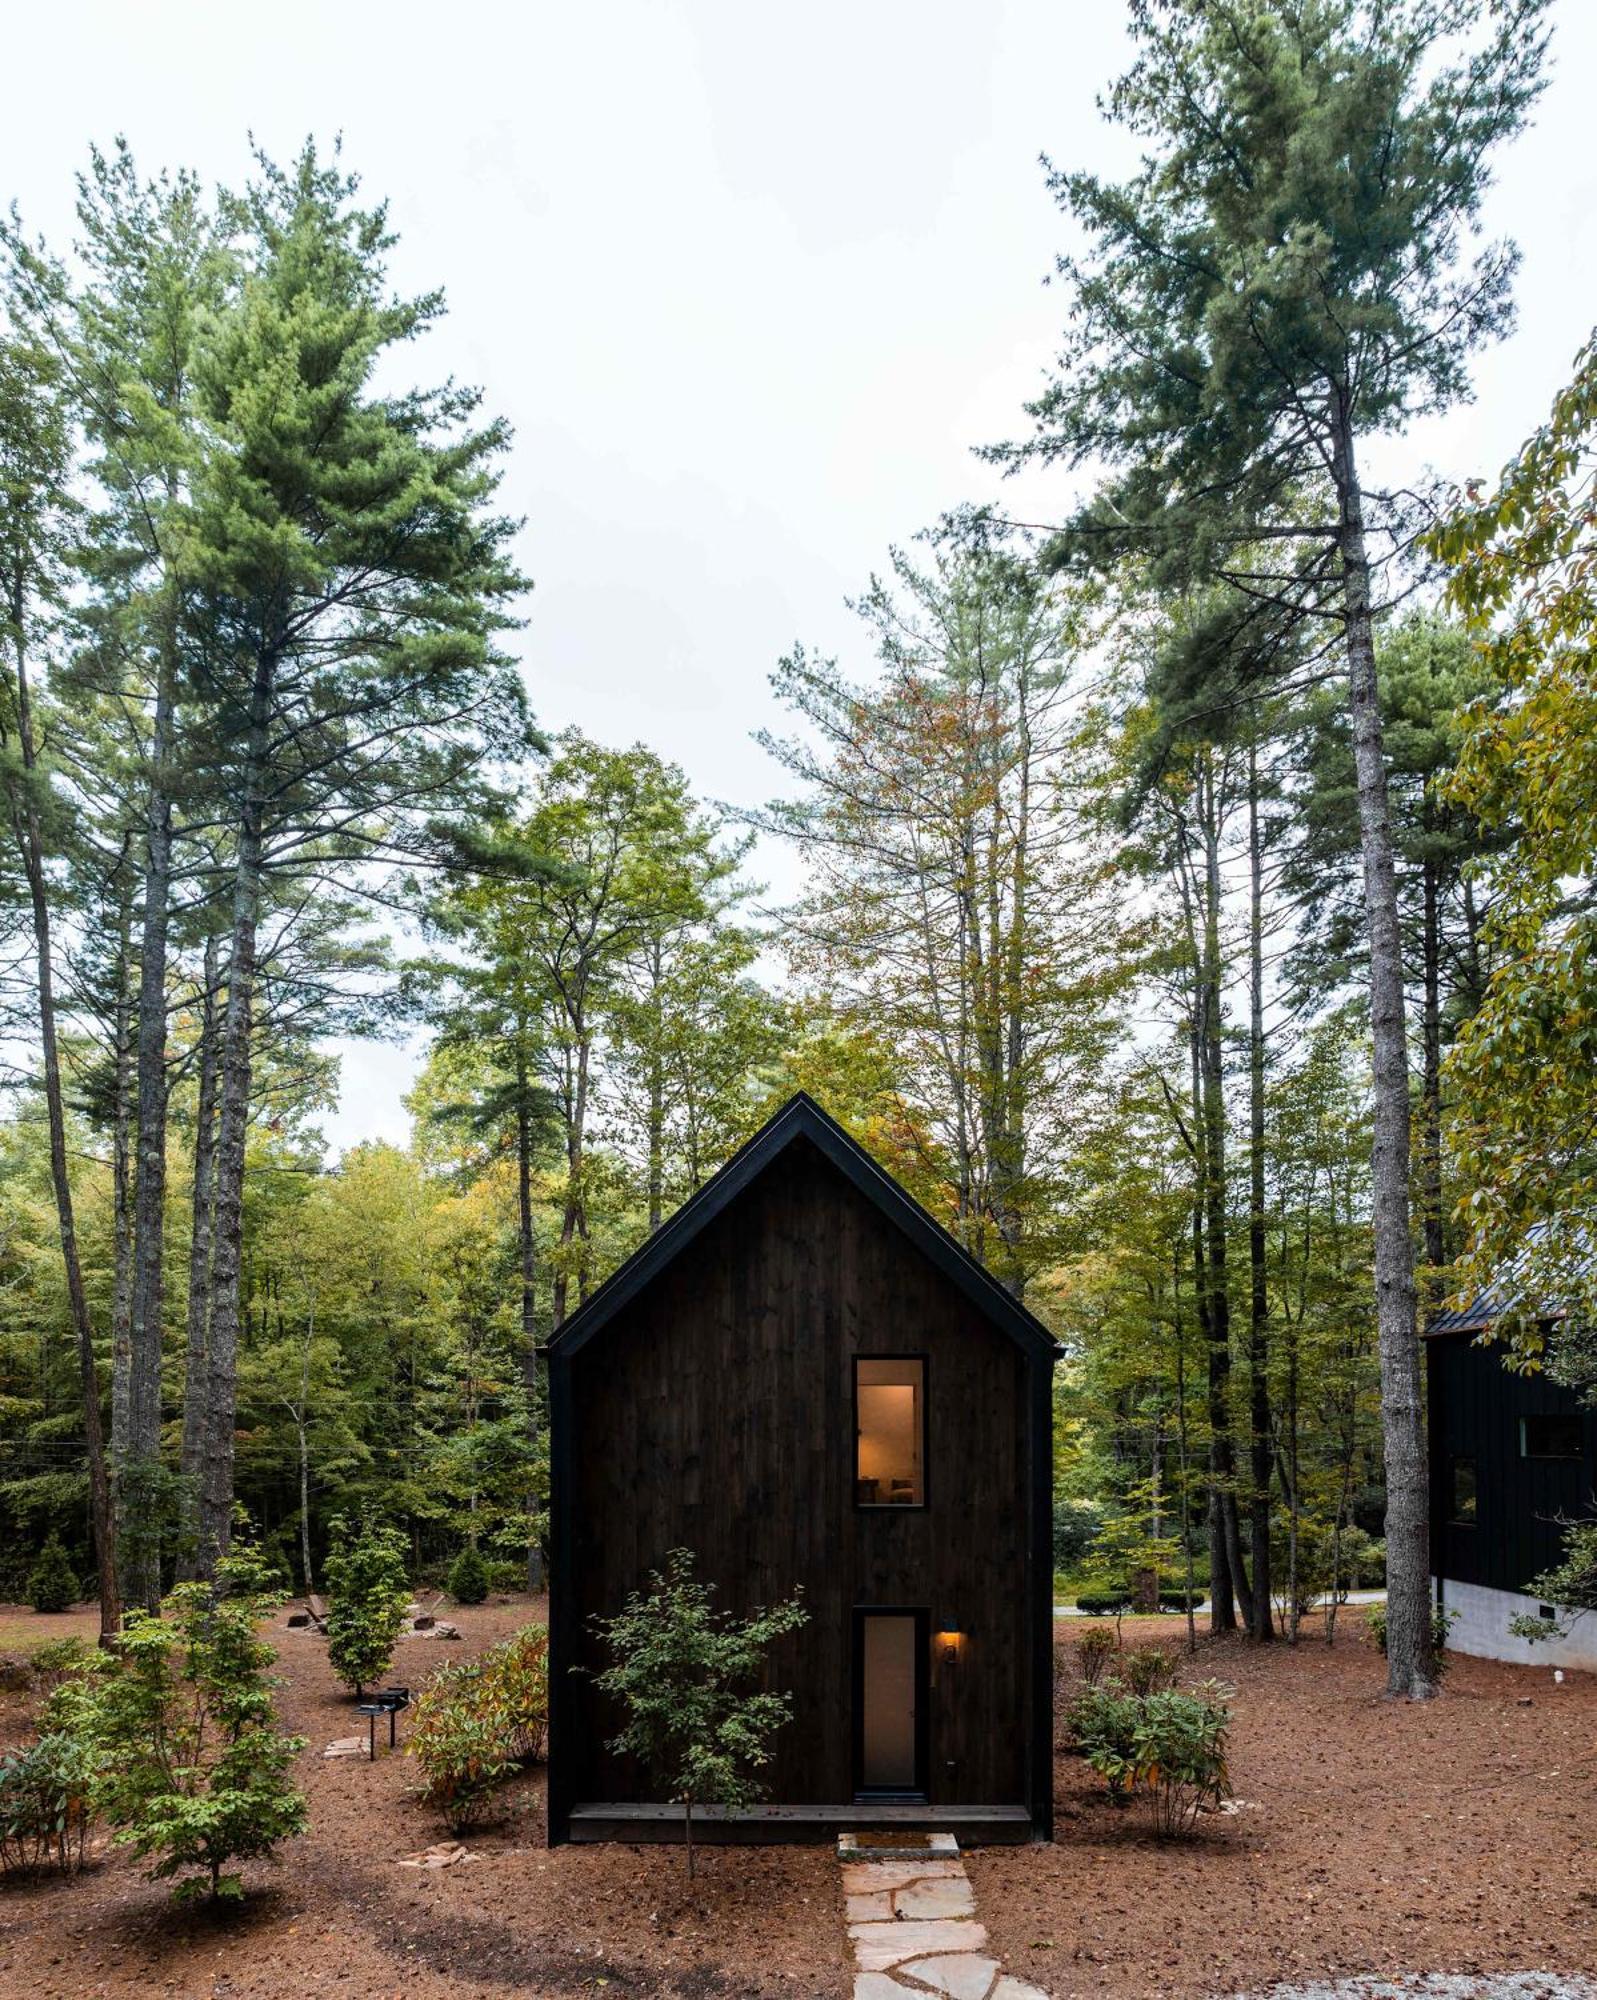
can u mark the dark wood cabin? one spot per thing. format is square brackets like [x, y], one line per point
[803, 1379]
[1512, 1456]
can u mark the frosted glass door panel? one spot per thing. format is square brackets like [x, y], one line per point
[888, 1671]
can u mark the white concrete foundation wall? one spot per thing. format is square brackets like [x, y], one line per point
[1481, 1628]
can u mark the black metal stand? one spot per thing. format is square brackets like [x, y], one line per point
[387, 1701]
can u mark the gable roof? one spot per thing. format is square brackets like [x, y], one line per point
[802, 1118]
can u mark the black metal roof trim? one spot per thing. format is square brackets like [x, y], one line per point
[802, 1117]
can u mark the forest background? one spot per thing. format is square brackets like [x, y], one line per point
[1076, 938]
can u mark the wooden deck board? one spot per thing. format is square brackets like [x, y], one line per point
[629, 1821]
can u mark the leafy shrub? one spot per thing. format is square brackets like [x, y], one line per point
[1103, 1721]
[468, 1578]
[52, 1583]
[55, 1660]
[1180, 1600]
[516, 1673]
[507, 1577]
[1363, 1559]
[1095, 1648]
[1167, 1747]
[190, 1765]
[45, 1804]
[1571, 1584]
[476, 1722]
[1442, 1622]
[690, 1682]
[1179, 1756]
[460, 1745]
[1103, 1603]
[369, 1590]
[1149, 1670]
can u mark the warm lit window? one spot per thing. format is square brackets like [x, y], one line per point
[1463, 1511]
[890, 1432]
[1551, 1437]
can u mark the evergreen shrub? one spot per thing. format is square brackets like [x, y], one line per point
[468, 1578]
[368, 1591]
[52, 1582]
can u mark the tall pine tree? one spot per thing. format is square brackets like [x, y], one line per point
[1284, 277]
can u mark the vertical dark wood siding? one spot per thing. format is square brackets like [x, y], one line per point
[1475, 1407]
[716, 1414]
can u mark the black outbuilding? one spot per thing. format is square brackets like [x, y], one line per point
[1513, 1459]
[806, 1381]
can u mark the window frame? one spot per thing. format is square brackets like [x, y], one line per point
[1575, 1457]
[891, 1506]
[1454, 1518]
[919, 1794]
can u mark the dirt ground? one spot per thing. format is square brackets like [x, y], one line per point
[1375, 1838]
[338, 1917]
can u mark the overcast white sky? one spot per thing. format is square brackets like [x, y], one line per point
[749, 281]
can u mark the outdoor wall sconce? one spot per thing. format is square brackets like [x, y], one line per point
[948, 1645]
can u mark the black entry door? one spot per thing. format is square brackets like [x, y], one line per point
[890, 1703]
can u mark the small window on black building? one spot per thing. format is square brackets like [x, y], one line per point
[1462, 1514]
[1551, 1437]
[890, 1432]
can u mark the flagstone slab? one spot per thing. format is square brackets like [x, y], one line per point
[870, 1909]
[951, 1898]
[879, 1947]
[1011, 1988]
[962, 1975]
[878, 1986]
[860, 1877]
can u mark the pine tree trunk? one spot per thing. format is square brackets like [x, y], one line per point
[139, 1461]
[1261, 1622]
[301, 1425]
[529, 1273]
[1431, 1091]
[574, 1221]
[216, 1481]
[1293, 1499]
[122, 1214]
[198, 1323]
[1224, 1524]
[30, 846]
[1186, 1471]
[1410, 1669]
[1222, 1609]
[656, 1135]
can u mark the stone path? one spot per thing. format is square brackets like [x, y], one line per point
[912, 1923]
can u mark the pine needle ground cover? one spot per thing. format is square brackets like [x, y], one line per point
[1375, 1837]
[1370, 1836]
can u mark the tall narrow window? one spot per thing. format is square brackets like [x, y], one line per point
[1462, 1509]
[890, 1432]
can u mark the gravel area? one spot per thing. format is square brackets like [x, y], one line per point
[1441, 1986]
